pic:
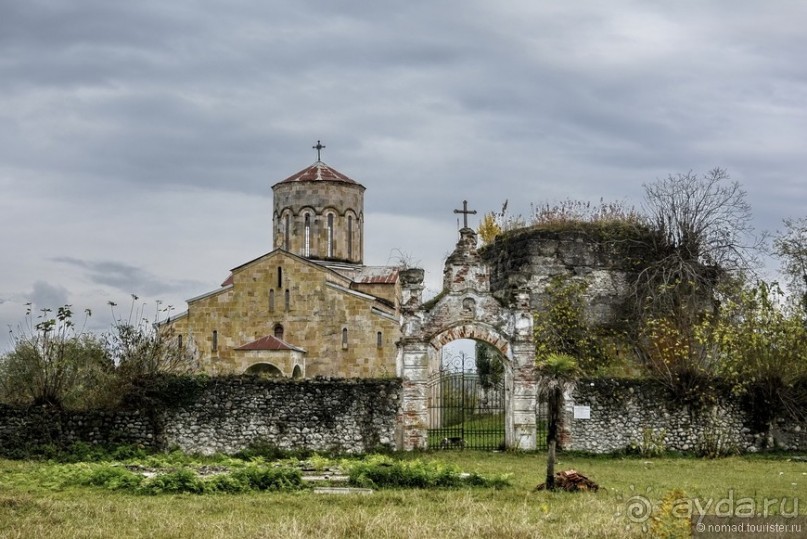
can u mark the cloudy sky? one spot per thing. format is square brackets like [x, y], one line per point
[139, 140]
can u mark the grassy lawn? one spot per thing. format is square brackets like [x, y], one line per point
[480, 432]
[32, 506]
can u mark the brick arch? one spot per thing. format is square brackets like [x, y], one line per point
[475, 331]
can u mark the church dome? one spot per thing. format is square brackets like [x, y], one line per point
[319, 214]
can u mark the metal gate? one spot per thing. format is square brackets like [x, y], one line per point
[466, 410]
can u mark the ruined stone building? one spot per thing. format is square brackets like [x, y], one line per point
[310, 306]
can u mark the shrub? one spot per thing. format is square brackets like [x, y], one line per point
[383, 472]
[182, 480]
[225, 483]
[652, 443]
[113, 478]
[265, 478]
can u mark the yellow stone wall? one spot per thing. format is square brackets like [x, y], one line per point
[316, 316]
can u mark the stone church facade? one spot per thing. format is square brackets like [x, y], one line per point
[309, 307]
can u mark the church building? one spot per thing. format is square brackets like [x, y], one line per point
[310, 307]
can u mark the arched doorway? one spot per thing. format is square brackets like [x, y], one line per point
[467, 397]
[465, 309]
[297, 372]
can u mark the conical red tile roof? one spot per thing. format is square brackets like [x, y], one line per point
[319, 172]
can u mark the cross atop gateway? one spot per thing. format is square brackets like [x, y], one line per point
[465, 213]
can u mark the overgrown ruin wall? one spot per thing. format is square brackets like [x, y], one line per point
[226, 415]
[624, 412]
[529, 259]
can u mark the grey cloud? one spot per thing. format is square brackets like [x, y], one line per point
[423, 103]
[47, 296]
[126, 278]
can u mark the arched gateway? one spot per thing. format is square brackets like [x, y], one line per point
[465, 309]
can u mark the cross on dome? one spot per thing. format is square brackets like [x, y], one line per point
[319, 148]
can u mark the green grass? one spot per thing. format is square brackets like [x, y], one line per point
[35, 502]
[480, 432]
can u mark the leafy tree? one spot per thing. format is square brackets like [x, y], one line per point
[704, 249]
[489, 228]
[494, 223]
[489, 365]
[560, 327]
[790, 245]
[760, 344]
[54, 363]
[678, 356]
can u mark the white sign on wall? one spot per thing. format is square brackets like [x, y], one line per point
[582, 412]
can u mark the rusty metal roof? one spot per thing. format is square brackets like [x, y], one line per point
[319, 172]
[269, 343]
[377, 275]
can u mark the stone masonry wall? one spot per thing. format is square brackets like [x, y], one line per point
[529, 259]
[227, 415]
[622, 410]
[320, 306]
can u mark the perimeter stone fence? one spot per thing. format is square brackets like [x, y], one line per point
[228, 414]
[609, 415]
[225, 414]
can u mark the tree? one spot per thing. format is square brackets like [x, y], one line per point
[54, 363]
[558, 374]
[704, 219]
[704, 248]
[790, 246]
[495, 223]
[703, 233]
[760, 344]
[138, 348]
[489, 365]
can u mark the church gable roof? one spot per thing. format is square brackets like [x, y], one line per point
[319, 172]
[377, 275]
[287, 254]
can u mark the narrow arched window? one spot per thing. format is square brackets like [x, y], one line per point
[286, 233]
[307, 251]
[279, 331]
[272, 300]
[344, 339]
[179, 342]
[280, 277]
[215, 341]
[330, 235]
[350, 236]
[287, 300]
[379, 340]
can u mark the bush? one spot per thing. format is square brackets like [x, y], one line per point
[265, 478]
[383, 472]
[226, 483]
[53, 363]
[113, 478]
[652, 443]
[182, 480]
